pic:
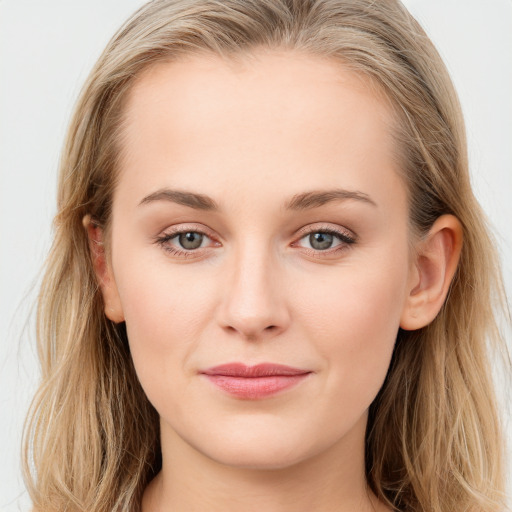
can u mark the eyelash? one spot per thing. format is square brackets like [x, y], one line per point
[164, 240]
[344, 237]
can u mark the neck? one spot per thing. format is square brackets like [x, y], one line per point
[190, 481]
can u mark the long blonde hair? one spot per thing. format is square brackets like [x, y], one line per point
[433, 440]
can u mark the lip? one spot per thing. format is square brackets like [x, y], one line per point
[254, 382]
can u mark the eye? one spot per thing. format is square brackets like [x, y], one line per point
[321, 241]
[190, 240]
[185, 242]
[327, 240]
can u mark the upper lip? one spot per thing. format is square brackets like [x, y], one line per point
[259, 370]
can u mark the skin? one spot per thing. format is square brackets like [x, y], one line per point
[252, 136]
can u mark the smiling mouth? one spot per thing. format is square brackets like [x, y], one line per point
[254, 382]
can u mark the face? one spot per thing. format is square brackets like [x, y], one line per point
[259, 218]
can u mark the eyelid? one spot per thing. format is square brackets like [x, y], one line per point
[177, 229]
[327, 228]
[163, 239]
[345, 237]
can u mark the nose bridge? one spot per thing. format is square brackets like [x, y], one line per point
[253, 303]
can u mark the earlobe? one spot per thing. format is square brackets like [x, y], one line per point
[437, 256]
[103, 271]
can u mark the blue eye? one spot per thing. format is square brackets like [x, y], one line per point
[321, 241]
[189, 243]
[325, 239]
[184, 243]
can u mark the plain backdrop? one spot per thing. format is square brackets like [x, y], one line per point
[46, 50]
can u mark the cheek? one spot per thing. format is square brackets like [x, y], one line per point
[354, 319]
[165, 312]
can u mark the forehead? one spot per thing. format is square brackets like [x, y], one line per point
[281, 117]
[196, 85]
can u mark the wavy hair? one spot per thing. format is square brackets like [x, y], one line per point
[433, 441]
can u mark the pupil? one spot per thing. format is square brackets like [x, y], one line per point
[190, 240]
[320, 241]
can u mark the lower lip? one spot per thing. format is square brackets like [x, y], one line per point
[254, 388]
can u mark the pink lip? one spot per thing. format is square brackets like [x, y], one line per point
[254, 382]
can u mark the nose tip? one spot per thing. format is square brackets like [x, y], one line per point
[254, 305]
[254, 313]
[252, 330]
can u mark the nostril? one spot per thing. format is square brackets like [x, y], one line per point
[271, 328]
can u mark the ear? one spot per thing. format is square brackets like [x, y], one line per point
[437, 256]
[103, 271]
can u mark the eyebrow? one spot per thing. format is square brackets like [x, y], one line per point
[304, 201]
[314, 199]
[190, 199]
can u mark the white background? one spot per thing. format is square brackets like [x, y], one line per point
[46, 50]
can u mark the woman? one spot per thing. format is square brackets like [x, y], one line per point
[270, 284]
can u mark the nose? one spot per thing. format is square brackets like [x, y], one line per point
[253, 304]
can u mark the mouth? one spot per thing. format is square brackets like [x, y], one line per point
[254, 382]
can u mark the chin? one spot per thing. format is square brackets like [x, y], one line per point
[258, 459]
[259, 450]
